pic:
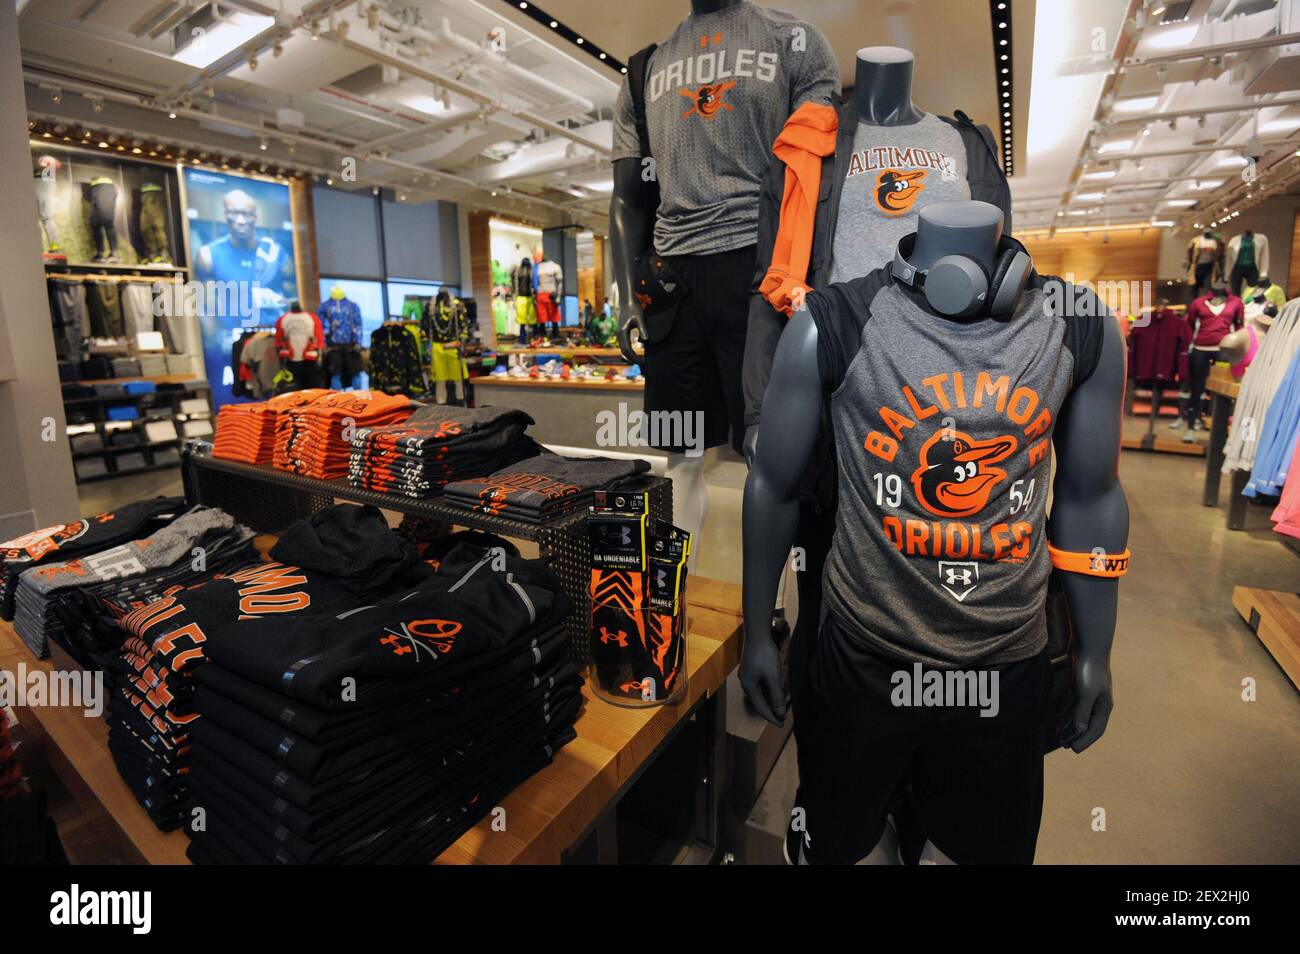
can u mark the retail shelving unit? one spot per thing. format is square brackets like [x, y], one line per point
[97, 408]
[268, 500]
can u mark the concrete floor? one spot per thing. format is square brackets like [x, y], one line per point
[1187, 772]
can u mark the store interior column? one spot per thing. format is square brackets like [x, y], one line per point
[38, 487]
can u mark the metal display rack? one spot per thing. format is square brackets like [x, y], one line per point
[268, 500]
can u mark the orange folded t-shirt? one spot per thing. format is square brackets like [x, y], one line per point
[807, 137]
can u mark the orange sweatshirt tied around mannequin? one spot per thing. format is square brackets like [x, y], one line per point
[807, 137]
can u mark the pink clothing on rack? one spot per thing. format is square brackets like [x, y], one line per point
[1286, 515]
[1240, 367]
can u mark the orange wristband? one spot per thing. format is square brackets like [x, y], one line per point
[1090, 564]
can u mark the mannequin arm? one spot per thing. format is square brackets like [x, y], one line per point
[765, 322]
[631, 230]
[771, 507]
[1089, 510]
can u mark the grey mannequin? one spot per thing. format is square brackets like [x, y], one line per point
[1089, 508]
[631, 230]
[882, 95]
[631, 223]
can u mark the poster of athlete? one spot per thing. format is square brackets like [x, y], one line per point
[241, 238]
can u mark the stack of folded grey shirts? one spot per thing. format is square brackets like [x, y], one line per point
[104, 391]
[88, 467]
[126, 368]
[138, 570]
[153, 365]
[179, 364]
[86, 443]
[132, 461]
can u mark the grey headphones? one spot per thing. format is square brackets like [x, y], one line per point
[961, 286]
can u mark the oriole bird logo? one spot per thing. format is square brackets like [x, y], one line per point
[708, 99]
[896, 191]
[957, 476]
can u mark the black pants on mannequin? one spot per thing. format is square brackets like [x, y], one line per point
[1242, 273]
[103, 211]
[1198, 372]
[1203, 272]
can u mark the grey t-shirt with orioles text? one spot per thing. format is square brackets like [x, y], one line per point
[717, 93]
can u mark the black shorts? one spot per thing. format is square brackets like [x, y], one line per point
[976, 782]
[343, 361]
[696, 366]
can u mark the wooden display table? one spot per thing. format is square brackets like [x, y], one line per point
[1225, 389]
[505, 381]
[546, 816]
[1275, 619]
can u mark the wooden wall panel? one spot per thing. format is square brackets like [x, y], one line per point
[305, 259]
[1293, 273]
[1122, 255]
[480, 270]
[598, 271]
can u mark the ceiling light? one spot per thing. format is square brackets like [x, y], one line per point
[136, 150]
[580, 41]
[1204, 185]
[56, 95]
[1232, 161]
[523, 5]
[262, 144]
[554, 24]
[1117, 145]
[329, 180]
[171, 114]
[1100, 174]
[1136, 104]
[1286, 125]
[1089, 196]
[103, 145]
[623, 69]
[1182, 203]
[1163, 224]
[602, 56]
[97, 105]
[1173, 38]
[374, 190]
[222, 37]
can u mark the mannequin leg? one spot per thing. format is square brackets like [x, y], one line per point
[930, 855]
[690, 495]
[885, 852]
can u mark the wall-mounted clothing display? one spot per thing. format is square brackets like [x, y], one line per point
[1259, 385]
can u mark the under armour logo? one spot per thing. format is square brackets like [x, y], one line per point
[958, 578]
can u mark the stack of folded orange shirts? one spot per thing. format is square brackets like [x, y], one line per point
[314, 440]
[246, 432]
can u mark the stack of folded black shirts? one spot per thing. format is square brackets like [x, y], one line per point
[381, 735]
[67, 541]
[332, 562]
[437, 445]
[541, 487]
[132, 570]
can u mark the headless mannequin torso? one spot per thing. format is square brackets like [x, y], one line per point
[1089, 509]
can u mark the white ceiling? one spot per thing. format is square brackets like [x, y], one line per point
[1157, 126]
[411, 93]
